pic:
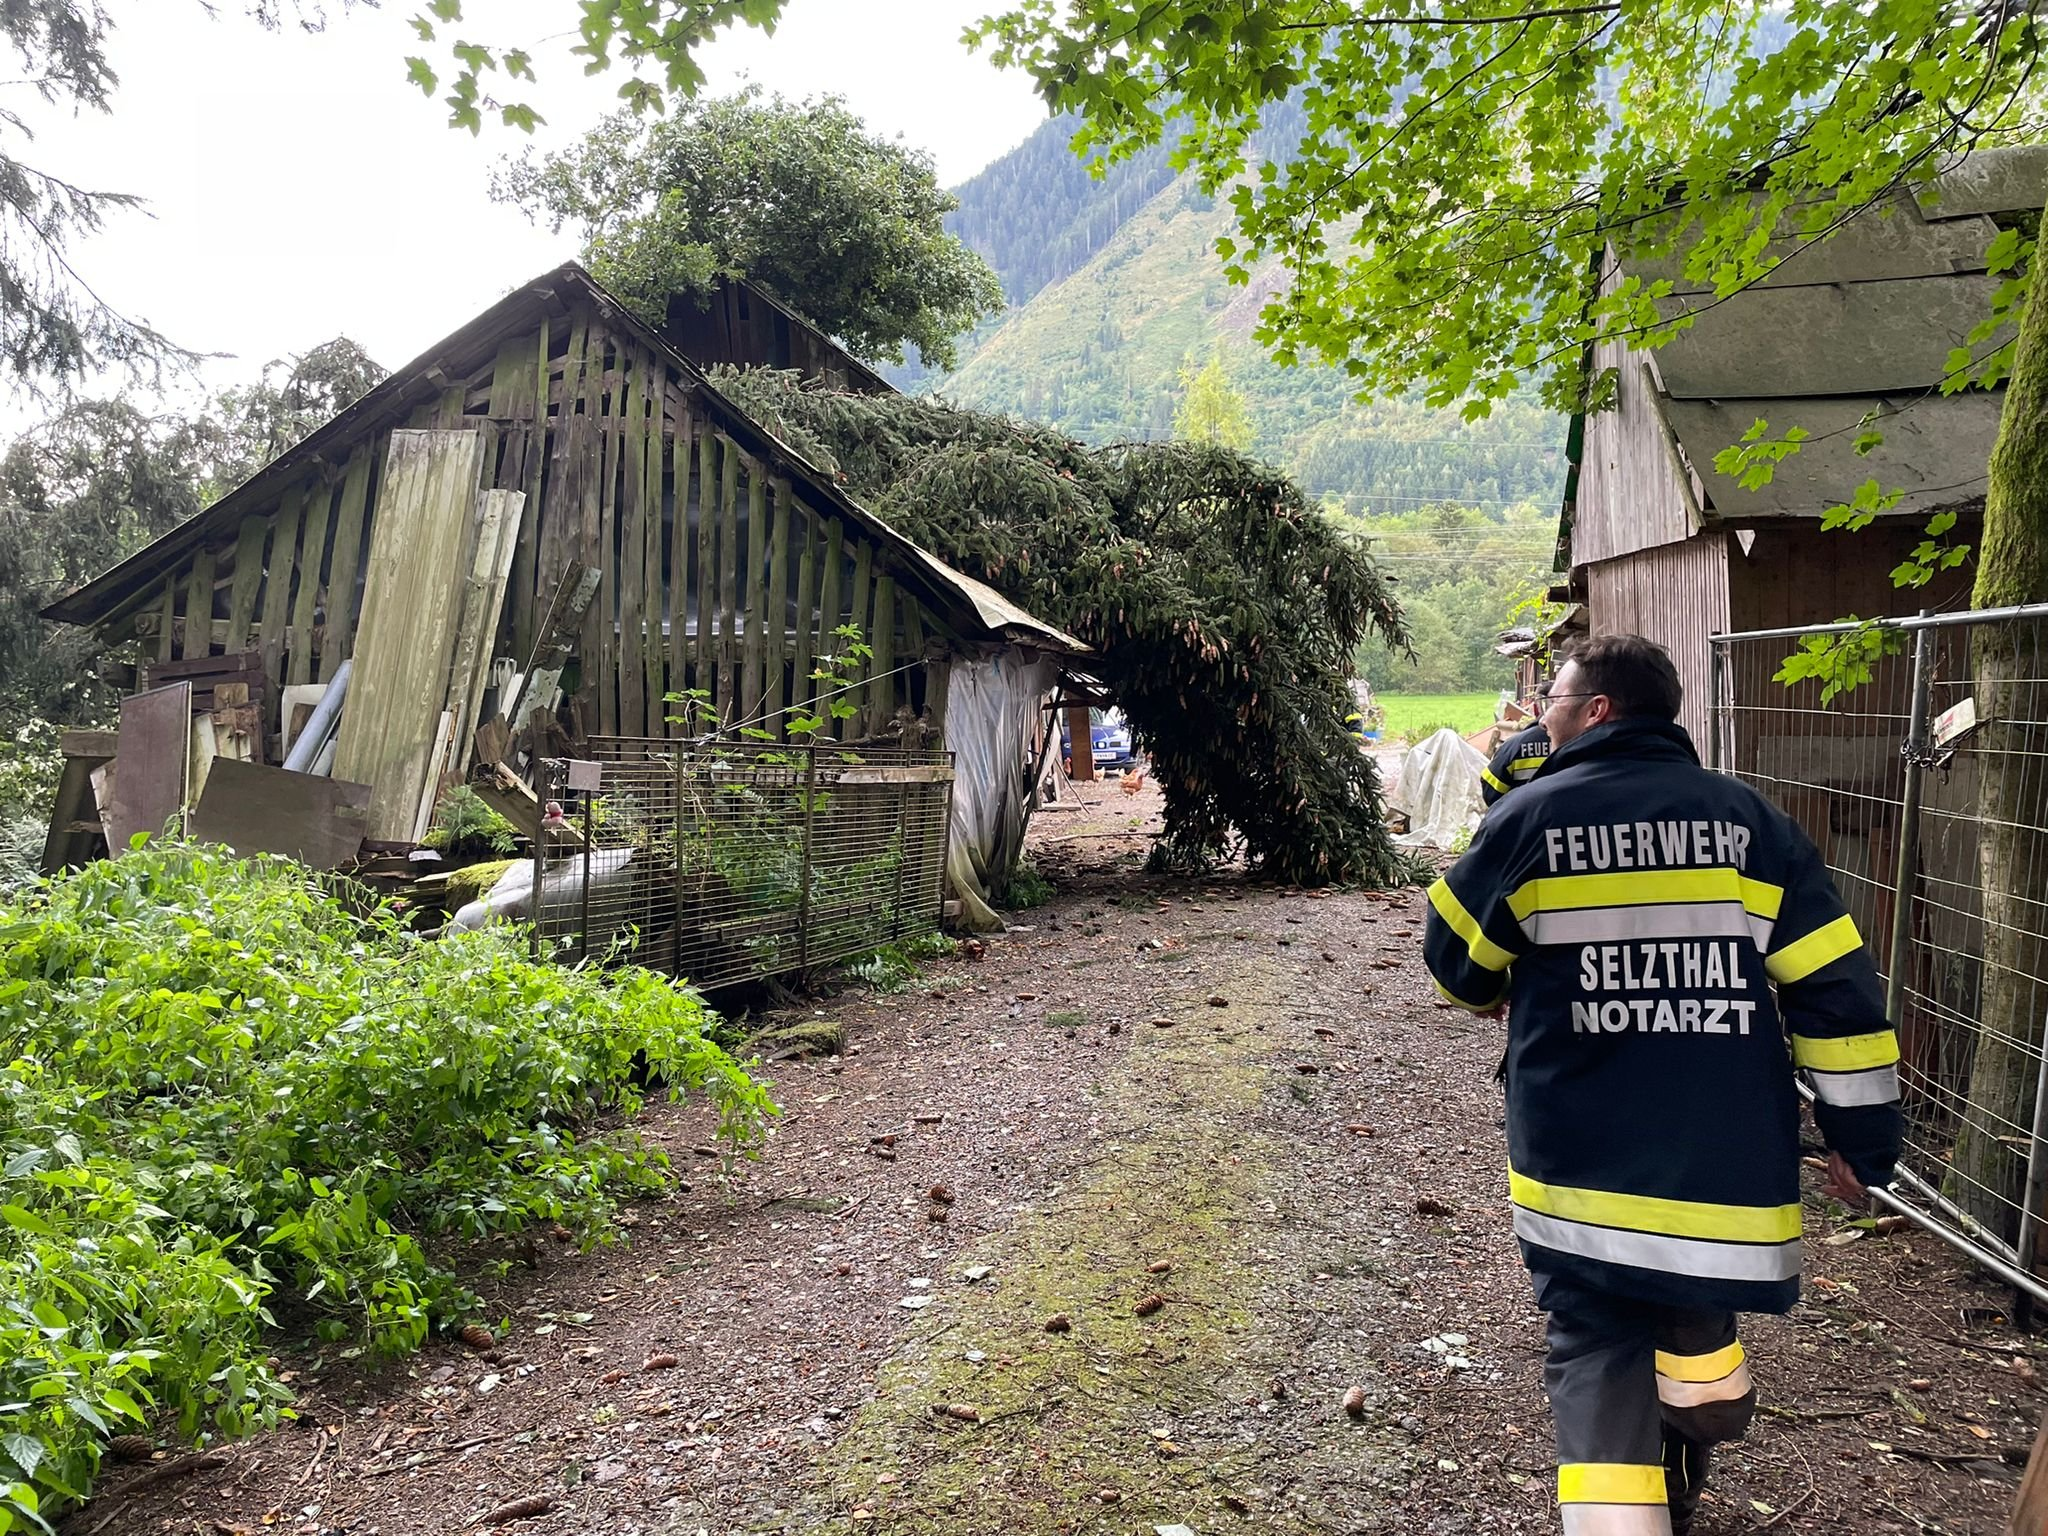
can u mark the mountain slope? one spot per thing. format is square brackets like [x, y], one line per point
[1100, 353]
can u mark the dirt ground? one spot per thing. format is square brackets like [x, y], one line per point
[1095, 1234]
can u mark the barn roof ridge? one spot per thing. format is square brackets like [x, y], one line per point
[965, 596]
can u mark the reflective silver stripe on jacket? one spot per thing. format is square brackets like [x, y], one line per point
[1877, 1085]
[1675, 920]
[1762, 1262]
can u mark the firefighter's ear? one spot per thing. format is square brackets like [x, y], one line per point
[1599, 710]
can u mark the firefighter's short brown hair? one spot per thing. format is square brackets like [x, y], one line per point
[1636, 675]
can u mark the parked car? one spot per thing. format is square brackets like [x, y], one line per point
[1109, 739]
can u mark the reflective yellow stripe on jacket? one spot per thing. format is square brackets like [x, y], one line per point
[1681, 1237]
[1850, 1069]
[1624, 905]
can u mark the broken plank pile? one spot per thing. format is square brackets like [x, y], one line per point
[366, 754]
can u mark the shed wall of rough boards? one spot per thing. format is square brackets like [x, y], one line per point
[721, 577]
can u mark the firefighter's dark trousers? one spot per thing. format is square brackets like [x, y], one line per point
[1624, 1377]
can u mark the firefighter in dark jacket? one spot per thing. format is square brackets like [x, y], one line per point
[1515, 764]
[1671, 951]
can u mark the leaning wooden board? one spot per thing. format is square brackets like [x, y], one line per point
[254, 809]
[406, 632]
[155, 759]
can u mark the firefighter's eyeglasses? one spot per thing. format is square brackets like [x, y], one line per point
[1544, 701]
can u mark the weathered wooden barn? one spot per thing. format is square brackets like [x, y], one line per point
[1660, 543]
[726, 561]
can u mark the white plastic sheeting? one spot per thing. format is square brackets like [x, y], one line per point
[992, 710]
[561, 889]
[1438, 790]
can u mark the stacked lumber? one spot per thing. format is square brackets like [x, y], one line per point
[393, 724]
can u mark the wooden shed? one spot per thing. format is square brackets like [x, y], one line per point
[1660, 543]
[725, 562]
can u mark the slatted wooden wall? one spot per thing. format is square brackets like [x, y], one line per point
[717, 573]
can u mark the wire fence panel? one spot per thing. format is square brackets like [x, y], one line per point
[725, 862]
[1915, 753]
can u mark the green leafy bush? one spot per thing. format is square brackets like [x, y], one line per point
[227, 1105]
[464, 825]
[1027, 889]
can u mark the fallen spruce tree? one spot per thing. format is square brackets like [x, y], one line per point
[1225, 608]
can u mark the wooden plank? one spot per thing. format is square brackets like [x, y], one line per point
[438, 756]
[237, 724]
[632, 676]
[154, 758]
[654, 648]
[198, 605]
[706, 675]
[775, 608]
[277, 580]
[682, 454]
[305, 601]
[824, 643]
[804, 529]
[728, 573]
[406, 632]
[64, 846]
[554, 509]
[589, 526]
[351, 520]
[248, 578]
[526, 558]
[753, 638]
[167, 616]
[253, 809]
[604, 655]
[93, 746]
[2030, 1510]
[1080, 745]
[507, 794]
[482, 606]
[858, 618]
[882, 665]
[234, 668]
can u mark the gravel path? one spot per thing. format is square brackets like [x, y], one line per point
[1095, 1234]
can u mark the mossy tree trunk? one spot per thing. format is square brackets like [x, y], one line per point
[2010, 662]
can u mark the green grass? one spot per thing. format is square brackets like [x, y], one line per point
[1408, 713]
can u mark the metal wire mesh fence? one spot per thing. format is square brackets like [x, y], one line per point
[726, 862]
[1915, 753]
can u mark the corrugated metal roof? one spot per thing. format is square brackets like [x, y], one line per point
[1867, 318]
[953, 592]
[2013, 180]
[1857, 338]
[1934, 449]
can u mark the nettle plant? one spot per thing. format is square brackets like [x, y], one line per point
[231, 1109]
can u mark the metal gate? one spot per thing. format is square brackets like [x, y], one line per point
[1914, 752]
[726, 862]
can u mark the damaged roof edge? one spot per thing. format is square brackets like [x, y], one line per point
[969, 600]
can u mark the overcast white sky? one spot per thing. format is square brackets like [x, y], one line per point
[301, 188]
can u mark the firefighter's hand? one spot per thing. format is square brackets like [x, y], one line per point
[1842, 1184]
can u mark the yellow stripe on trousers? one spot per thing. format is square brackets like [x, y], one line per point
[1610, 1482]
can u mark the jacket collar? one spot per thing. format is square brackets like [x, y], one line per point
[1645, 740]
